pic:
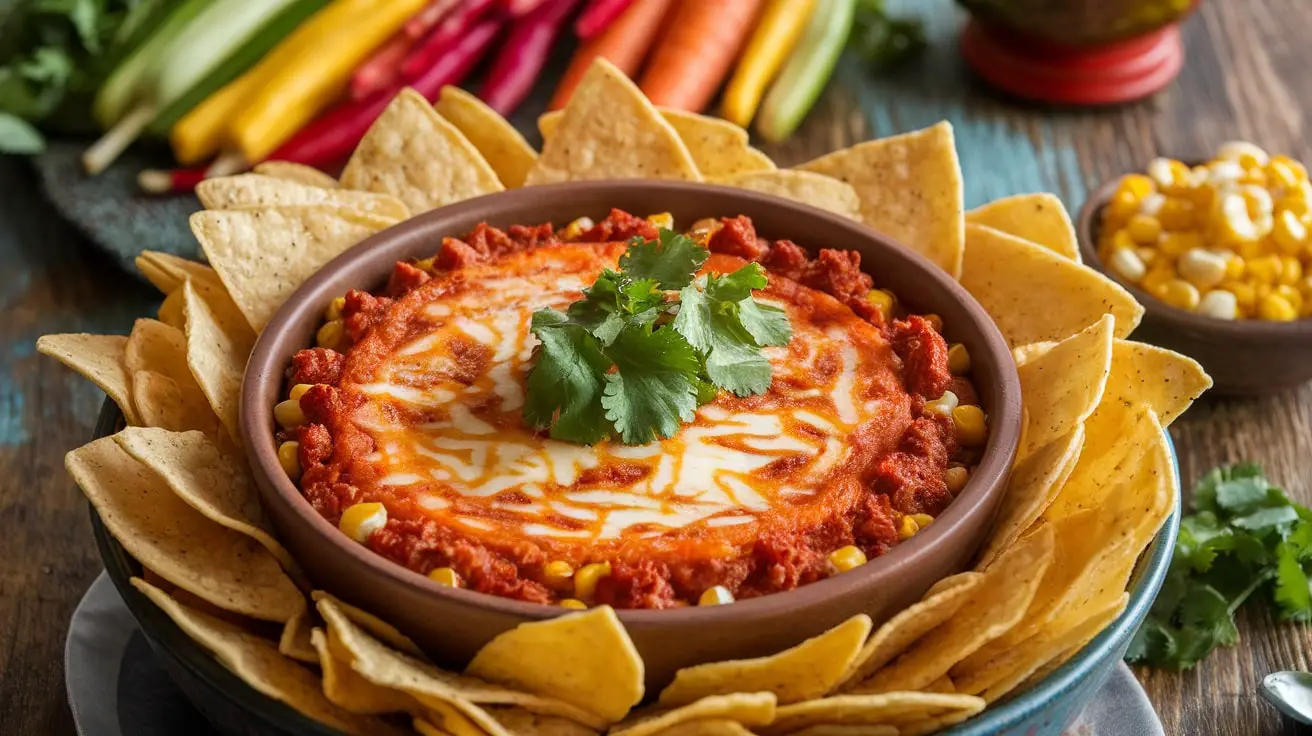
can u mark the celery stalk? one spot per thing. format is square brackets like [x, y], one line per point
[807, 72]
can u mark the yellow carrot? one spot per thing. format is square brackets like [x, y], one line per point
[337, 40]
[781, 25]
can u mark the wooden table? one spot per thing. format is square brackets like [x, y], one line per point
[1248, 76]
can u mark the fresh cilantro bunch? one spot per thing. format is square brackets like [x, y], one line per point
[632, 360]
[1245, 541]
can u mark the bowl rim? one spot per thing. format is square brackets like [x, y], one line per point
[164, 634]
[1087, 226]
[985, 482]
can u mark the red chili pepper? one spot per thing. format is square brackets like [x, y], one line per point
[381, 69]
[426, 19]
[521, 8]
[524, 54]
[333, 136]
[178, 181]
[597, 16]
[446, 33]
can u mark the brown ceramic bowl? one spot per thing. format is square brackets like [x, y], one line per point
[451, 624]
[1244, 358]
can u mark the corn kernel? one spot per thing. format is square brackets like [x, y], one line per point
[573, 230]
[1234, 223]
[288, 414]
[935, 322]
[574, 604]
[1122, 206]
[360, 521]
[945, 404]
[1275, 308]
[1289, 232]
[1222, 174]
[1219, 304]
[1152, 204]
[956, 478]
[883, 301]
[662, 220]
[1296, 205]
[1176, 244]
[1265, 270]
[445, 577]
[1144, 230]
[1292, 272]
[1147, 255]
[1291, 295]
[715, 596]
[289, 459]
[703, 229]
[1245, 296]
[1156, 278]
[958, 360]
[907, 528]
[335, 307]
[1121, 240]
[298, 391]
[1177, 214]
[1128, 264]
[1137, 186]
[971, 425]
[922, 520]
[1283, 171]
[557, 573]
[1255, 176]
[1202, 268]
[1180, 294]
[1234, 267]
[1168, 173]
[587, 577]
[1255, 249]
[1263, 291]
[331, 335]
[1246, 154]
[847, 558]
[1259, 201]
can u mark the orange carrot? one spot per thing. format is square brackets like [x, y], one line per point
[694, 55]
[624, 43]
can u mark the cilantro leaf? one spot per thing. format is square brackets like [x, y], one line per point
[654, 386]
[565, 384]
[670, 261]
[767, 325]
[733, 359]
[1292, 592]
[736, 286]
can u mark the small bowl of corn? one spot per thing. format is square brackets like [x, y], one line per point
[1220, 254]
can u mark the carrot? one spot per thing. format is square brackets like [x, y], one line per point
[624, 43]
[695, 53]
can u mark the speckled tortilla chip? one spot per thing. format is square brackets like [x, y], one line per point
[523, 722]
[1033, 294]
[883, 709]
[262, 255]
[992, 610]
[609, 130]
[584, 658]
[717, 727]
[1039, 218]
[910, 189]
[254, 191]
[168, 272]
[259, 664]
[210, 479]
[505, 150]
[1033, 485]
[1164, 381]
[155, 346]
[163, 402]
[816, 190]
[299, 173]
[295, 640]
[160, 530]
[374, 626]
[898, 633]
[805, 671]
[350, 691]
[749, 709]
[98, 358]
[217, 350]
[1062, 387]
[411, 153]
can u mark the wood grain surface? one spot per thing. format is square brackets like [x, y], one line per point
[1248, 75]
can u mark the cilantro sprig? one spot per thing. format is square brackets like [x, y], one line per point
[648, 344]
[1245, 541]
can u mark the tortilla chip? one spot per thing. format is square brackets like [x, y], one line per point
[258, 663]
[1034, 483]
[1039, 218]
[350, 691]
[424, 728]
[211, 480]
[413, 154]
[749, 709]
[609, 130]
[1061, 388]
[295, 640]
[505, 150]
[1033, 294]
[299, 173]
[374, 626]
[803, 672]
[263, 255]
[217, 351]
[932, 725]
[162, 403]
[1160, 379]
[523, 722]
[584, 658]
[454, 722]
[839, 729]
[256, 191]
[991, 611]
[166, 535]
[880, 709]
[906, 628]
[816, 190]
[170, 311]
[155, 346]
[428, 684]
[910, 189]
[98, 358]
[168, 272]
[943, 684]
[711, 727]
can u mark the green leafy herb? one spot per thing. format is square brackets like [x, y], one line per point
[883, 40]
[631, 359]
[1245, 541]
